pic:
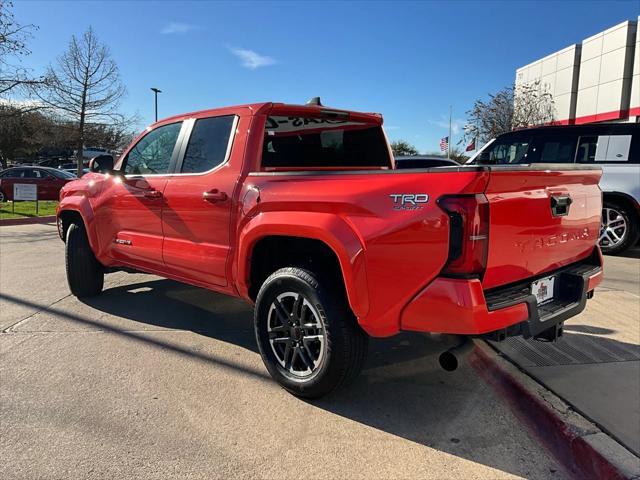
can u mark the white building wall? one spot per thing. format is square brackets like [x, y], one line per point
[597, 80]
[634, 103]
[558, 75]
[604, 85]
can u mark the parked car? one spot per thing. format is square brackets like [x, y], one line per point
[297, 209]
[90, 152]
[423, 161]
[48, 180]
[613, 146]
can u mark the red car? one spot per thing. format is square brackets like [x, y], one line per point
[300, 211]
[48, 180]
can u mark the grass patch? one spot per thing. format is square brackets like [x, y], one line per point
[28, 209]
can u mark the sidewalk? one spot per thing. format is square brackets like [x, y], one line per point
[595, 366]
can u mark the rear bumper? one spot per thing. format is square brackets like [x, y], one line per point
[462, 307]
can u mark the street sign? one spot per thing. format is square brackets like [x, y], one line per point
[25, 191]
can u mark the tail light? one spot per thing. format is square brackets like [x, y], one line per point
[469, 234]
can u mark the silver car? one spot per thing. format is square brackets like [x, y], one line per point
[613, 146]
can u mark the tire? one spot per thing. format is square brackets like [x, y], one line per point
[618, 228]
[85, 275]
[3, 197]
[326, 349]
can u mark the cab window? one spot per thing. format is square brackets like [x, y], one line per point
[318, 142]
[152, 154]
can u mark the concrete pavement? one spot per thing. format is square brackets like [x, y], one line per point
[158, 379]
[595, 366]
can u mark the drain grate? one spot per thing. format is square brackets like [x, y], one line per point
[570, 349]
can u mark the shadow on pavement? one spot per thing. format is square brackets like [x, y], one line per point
[633, 252]
[401, 391]
[588, 329]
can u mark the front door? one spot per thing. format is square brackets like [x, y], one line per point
[129, 208]
[198, 202]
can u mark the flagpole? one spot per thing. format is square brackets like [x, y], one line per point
[449, 142]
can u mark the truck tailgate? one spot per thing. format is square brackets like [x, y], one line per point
[542, 217]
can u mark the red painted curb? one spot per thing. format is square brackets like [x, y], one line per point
[27, 220]
[561, 439]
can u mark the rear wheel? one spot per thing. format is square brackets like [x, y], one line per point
[618, 228]
[308, 337]
[85, 275]
[2, 197]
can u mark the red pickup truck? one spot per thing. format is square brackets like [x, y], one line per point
[299, 210]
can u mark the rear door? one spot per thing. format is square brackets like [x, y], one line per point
[48, 185]
[541, 218]
[199, 200]
[129, 208]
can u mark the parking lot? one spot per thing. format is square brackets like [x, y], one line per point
[157, 379]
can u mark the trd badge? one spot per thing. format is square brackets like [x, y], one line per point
[409, 201]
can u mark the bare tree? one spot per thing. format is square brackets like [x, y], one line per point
[85, 86]
[511, 108]
[15, 79]
[402, 147]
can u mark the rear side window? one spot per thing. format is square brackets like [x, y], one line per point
[208, 144]
[312, 142]
[587, 147]
[604, 149]
[152, 154]
[556, 149]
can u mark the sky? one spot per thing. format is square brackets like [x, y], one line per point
[410, 61]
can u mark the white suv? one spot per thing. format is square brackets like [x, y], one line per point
[613, 146]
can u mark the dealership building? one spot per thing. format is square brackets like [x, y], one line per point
[597, 80]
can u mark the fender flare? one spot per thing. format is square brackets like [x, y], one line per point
[330, 229]
[81, 206]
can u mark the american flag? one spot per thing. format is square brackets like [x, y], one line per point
[444, 144]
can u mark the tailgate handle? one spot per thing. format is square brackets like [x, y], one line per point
[560, 205]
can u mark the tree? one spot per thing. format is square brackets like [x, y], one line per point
[458, 155]
[511, 108]
[14, 79]
[85, 87]
[402, 147]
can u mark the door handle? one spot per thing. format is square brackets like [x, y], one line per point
[214, 196]
[153, 194]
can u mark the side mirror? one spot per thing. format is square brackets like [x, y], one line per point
[101, 164]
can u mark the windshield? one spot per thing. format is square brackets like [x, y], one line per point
[312, 142]
[504, 150]
[63, 174]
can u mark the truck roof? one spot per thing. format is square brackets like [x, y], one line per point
[256, 108]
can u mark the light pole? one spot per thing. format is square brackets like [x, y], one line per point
[156, 91]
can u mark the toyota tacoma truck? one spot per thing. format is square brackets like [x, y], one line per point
[298, 210]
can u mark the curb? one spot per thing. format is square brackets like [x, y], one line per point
[576, 443]
[27, 220]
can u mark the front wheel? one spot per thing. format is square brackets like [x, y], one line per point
[308, 337]
[618, 228]
[85, 275]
